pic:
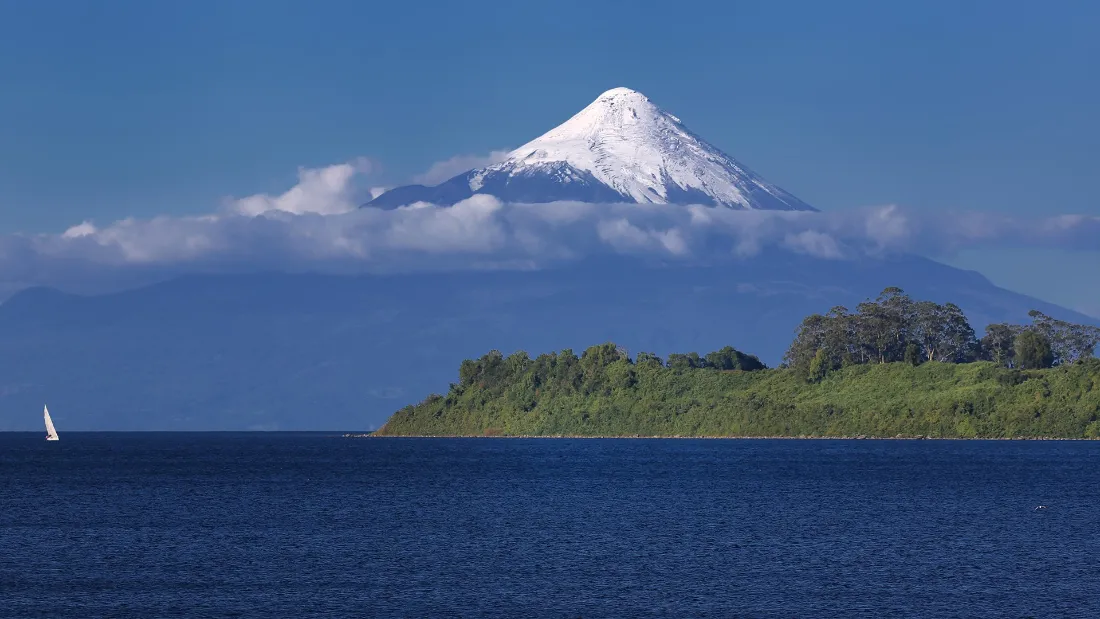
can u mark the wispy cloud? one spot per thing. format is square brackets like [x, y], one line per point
[328, 191]
[316, 226]
[445, 170]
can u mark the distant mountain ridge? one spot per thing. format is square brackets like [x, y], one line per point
[620, 148]
[326, 352]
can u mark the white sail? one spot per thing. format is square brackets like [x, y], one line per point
[51, 432]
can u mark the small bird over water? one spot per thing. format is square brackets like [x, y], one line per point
[1038, 507]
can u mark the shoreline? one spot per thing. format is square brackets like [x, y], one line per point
[724, 437]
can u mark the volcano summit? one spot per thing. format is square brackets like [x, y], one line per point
[620, 148]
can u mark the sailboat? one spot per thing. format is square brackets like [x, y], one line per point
[51, 432]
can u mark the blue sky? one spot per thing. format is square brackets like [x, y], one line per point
[137, 109]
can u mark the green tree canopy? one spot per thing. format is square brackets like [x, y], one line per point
[729, 358]
[1032, 350]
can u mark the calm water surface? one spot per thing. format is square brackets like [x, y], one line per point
[290, 525]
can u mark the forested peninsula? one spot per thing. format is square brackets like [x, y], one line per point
[894, 367]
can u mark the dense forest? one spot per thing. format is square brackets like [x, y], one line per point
[895, 328]
[894, 367]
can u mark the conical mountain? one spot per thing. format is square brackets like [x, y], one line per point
[620, 148]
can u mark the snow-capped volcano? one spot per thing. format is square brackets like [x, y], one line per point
[620, 148]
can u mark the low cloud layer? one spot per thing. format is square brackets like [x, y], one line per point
[317, 226]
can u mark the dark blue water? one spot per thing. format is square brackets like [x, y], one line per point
[263, 525]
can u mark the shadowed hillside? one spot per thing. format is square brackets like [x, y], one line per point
[330, 352]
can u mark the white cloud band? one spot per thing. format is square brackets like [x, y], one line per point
[317, 226]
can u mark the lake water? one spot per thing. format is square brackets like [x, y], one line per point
[291, 525]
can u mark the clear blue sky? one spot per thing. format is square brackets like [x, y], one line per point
[136, 108]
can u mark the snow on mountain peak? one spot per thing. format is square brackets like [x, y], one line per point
[621, 91]
[619, 148]
[629, 144]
